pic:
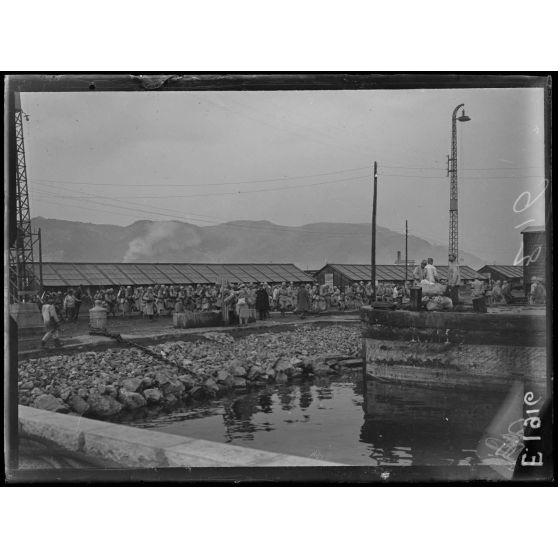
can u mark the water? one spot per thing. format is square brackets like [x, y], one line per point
[335, 420]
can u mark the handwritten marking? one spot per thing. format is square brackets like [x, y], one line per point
[528, 460]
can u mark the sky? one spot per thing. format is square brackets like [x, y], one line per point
[292, 157]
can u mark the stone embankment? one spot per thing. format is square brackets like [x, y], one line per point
[104, 384]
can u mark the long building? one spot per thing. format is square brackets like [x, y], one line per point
[64, 275]
[341, 275]
[511, 273]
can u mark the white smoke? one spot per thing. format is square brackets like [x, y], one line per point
[161, 235]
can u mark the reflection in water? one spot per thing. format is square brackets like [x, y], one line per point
[336, 419]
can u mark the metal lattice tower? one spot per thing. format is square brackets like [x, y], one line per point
[23, 282]
[453, 243]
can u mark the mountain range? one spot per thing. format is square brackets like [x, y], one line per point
[309, 246]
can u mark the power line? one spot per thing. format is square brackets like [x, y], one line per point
[243, 192]
[200, 184]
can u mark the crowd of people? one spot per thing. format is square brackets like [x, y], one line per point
[245, 299]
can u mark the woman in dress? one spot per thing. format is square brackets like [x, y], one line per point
[242, 308]
[149, 303]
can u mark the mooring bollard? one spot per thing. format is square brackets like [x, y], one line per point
[98, 316]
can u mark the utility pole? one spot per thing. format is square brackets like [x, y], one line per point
[453, 244]
[23, 283]
[406, 246]
[373, 251]
[40, 261]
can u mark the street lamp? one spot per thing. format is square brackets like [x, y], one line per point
[452, 173]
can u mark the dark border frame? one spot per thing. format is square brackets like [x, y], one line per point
[252, 81]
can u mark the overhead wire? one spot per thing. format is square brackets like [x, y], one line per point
[202, 184]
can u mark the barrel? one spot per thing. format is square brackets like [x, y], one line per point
[479, 304]
[415, 298]
[454, 294]
[98, 316]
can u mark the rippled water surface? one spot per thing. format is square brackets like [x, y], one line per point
[336, 420]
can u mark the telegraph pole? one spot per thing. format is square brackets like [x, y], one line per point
[406, 251]
[373, 251]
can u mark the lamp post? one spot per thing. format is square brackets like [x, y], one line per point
[452, 173]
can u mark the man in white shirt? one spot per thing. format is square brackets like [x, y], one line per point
[51, 321]
[431, 272]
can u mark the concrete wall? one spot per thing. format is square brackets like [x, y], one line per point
[137, 447]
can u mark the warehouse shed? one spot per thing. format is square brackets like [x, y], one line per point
[513, 274]
[64, 275]
[341, 275]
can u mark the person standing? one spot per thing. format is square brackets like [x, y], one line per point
[242, 308]
[431, 271]
[262, 302]
[538, 292]
[302, 301]
[78, 295]
[454, 279]
[148, 300]
[419, 272]
[52, 323]
[506, 292]
[69, 306]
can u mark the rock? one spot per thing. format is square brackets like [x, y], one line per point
[307, 364]
[223, 375]
[173, 386]
[82, 392]
[147, 382]
[65, 394]
[153, 395]
[103, 405]
[111, 390]
[239, 382]
[50, 403]
[281, 377]
[27, 385]
[238, 371]
[322, 369]
[255, 371]
[131, 399]
[211, 384]
[35, 392]
[162, 378]
[188, 380]
[283, 366]
[171, 399]
[131, 384]
[78, 404]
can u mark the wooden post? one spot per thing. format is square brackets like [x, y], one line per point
[406, 251]
[373, 251]
[40, 263]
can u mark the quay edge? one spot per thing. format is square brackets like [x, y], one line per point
[450, 349]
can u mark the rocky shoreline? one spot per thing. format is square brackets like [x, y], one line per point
[104, 384]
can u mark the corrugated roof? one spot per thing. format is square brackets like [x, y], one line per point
[511, 271]
[361, 272]
[59, 274]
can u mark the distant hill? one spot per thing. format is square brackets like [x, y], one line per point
[308, 246]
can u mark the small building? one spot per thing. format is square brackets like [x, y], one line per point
[513, 274]
[341, 275]
[64, 275]
[534, 255]
[400, 261]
